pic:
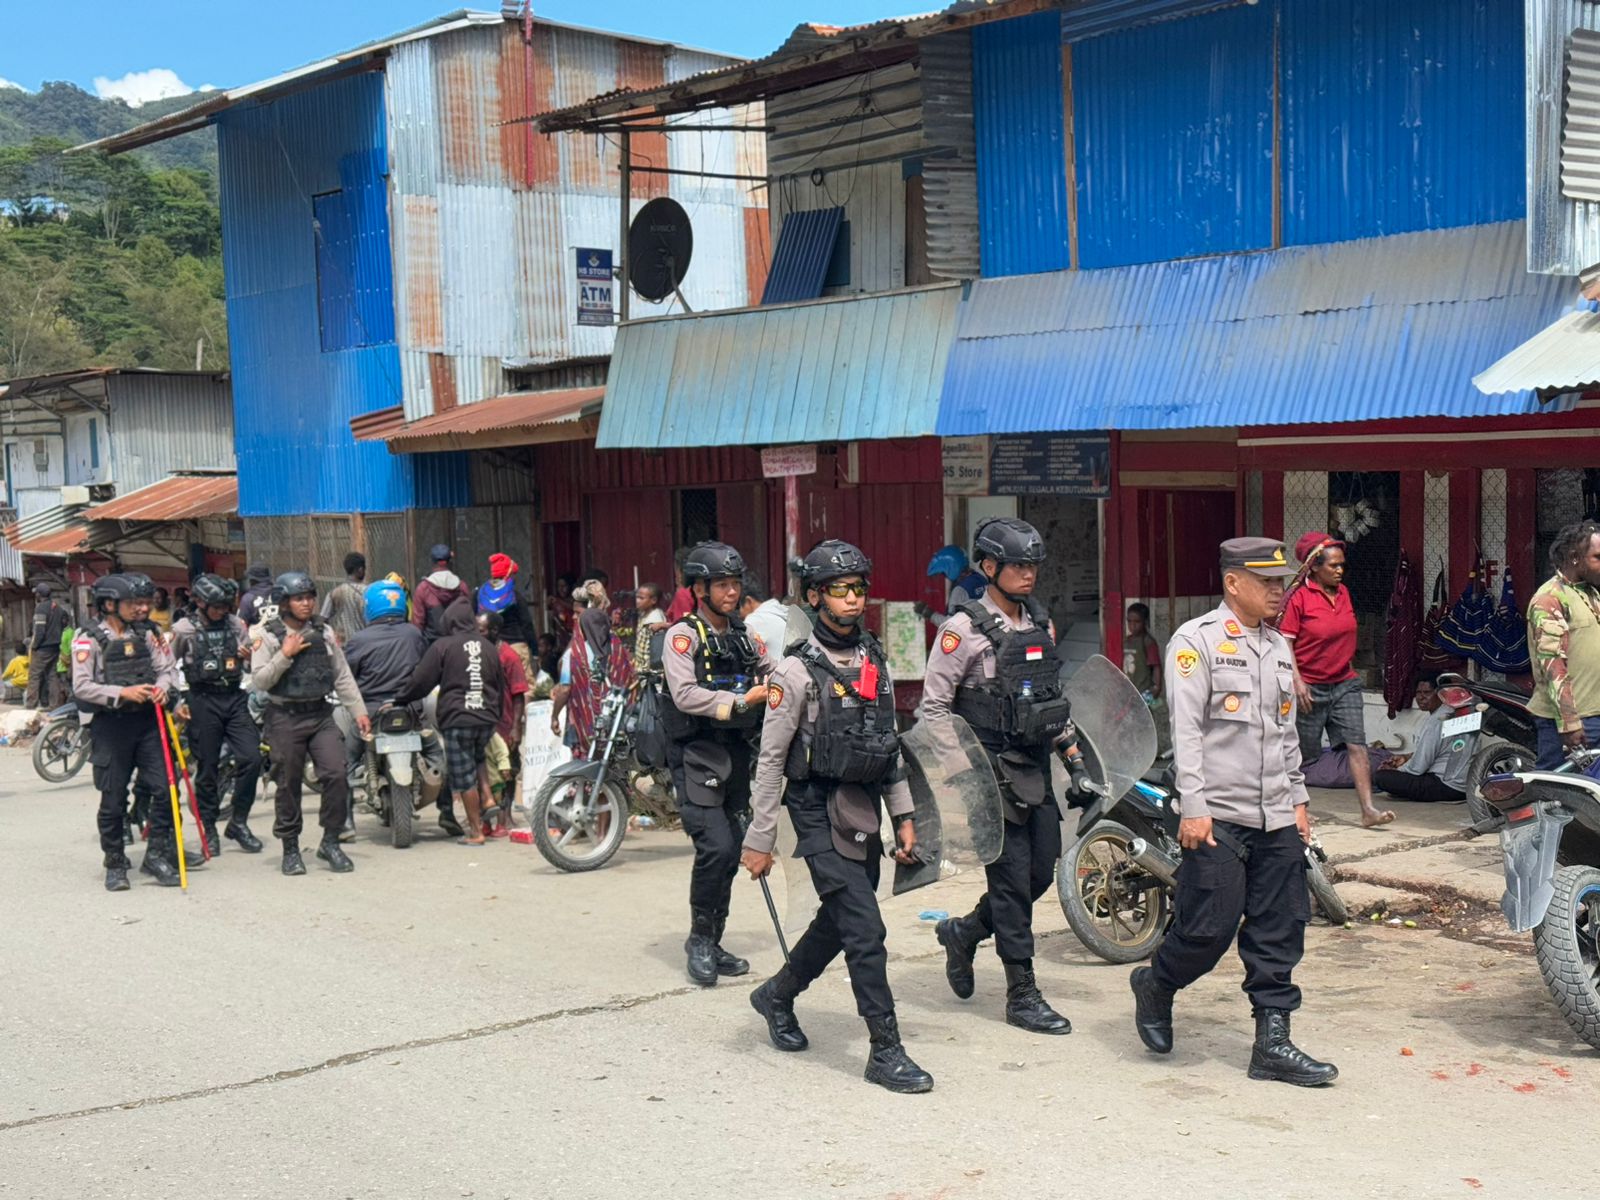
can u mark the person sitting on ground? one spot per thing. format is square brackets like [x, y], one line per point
[505, 747]
[16, 672]
[345, 606]
[1436, 769]
[435, 593]
[465, 667]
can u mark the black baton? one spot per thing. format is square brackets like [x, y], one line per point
[777, 925]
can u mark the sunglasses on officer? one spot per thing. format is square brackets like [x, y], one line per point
[840, 588]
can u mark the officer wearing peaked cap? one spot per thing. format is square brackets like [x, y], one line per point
[1244, 815]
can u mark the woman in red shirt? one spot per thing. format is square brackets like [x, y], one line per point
[1319, 622]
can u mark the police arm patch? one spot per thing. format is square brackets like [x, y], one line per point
[681, 643]
[774, 695]
[81, 654]
[1186, 661]
[949, 642]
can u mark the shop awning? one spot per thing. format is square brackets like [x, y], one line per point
[515, 419]
[861, 367]
[1563, 357]
[1384, 327]
[176, 498]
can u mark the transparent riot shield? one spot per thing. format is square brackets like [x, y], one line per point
[796, 626]
[1116, 732]
[958, 816]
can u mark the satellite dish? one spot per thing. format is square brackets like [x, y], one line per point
[660, 244]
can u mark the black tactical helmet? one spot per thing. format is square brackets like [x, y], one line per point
[832, 560]
[144, 588]
[291, 584]
[1007, 540]
[213, 589]
[713, 560]
[109, 589]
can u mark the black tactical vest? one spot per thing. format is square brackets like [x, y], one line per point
[853, 739]
[310, 673]
[1022, 706]
[125, 660]
[212, 662]
[723, 662]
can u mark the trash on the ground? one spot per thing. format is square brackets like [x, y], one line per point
[1392, 921]
[933, 914]
[523, 837]
[1406, 1052]
[1411, 924]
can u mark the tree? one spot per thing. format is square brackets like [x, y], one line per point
[35, 335]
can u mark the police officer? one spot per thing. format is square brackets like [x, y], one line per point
[830, 731]
[711, 709]
[121, 670]
[295, 664]
[212, 647]
[994, 664]
[1230, 682]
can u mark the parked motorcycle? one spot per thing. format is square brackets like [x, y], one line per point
[62, 746]
[1510, 744]
[1550, 839]
[400, 780]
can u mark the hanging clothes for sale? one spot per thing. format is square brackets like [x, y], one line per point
[1432, 655]
[1402, 626]
[1505, 644]
[1467, 623]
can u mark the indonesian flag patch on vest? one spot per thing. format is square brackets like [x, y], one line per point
[1035, 654]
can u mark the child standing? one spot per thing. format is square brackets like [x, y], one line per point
[1141, 662]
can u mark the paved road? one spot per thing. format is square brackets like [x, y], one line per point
[452, 1022]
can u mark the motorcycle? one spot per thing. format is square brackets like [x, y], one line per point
[400, 779]
[62, 746]
[1502, 713]
[1550, 839]
[580, 813]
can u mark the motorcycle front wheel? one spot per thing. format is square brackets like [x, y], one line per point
[1568, 951]
[1118, 911]
[578, 824]
[60, 750]
[1497, 758]
[402, 814]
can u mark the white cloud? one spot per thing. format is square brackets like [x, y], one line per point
[140, 87]
[6, 83]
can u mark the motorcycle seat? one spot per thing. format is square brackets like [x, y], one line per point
[1499, 691]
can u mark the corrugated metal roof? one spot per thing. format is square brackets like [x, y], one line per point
[1385, 327]
[1580, 136]
[1561, 357]
[63, 543]
[1563, 233]
[53, 532]
[800, 262]
[515, 419]
[178, 498]
[861, 367]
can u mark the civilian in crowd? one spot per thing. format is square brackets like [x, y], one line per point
[1564, 640]
[1141, 663]
[161, 610]
[549, 657]
[683, 601]
[589, 659]
[435, 593]
[15, 675]
[465, 667]
[650, 620]
[499, 595]
[257, 590]
[764, 618]
[345, 607]
[1319, 622]
[49, 619]
[183, 605]
[1436, 768]
[505, 747]
[562, 613]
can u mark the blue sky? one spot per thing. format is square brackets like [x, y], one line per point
[147, 48]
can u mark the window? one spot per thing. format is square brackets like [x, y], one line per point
[94, 443]
[355, 305]
[838, 273]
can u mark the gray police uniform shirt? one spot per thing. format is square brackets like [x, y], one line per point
[185, 630]
[963, 656]
[792, 709]
[1234, 743]
[88, 670]
[269, 664]
[707, 765]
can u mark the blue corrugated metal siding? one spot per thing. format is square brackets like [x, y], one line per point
[1386, 327]
[867, 367]
[1400, 115]
[355, 283]
[1173, 125]
[1020, 125]
[292, 401]
[800, 261]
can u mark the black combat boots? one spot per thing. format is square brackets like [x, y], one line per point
[727, 964]
[333, 854]
[890, 1066]
[293, 864]
[701, 947]
[774, 1000]
[1275, 1057]
[158, 864]
[448, 822]
[1025, 1007]
[1152, 1010]
[239, 832]
[213, 842]
[960, 939]
[117, 872]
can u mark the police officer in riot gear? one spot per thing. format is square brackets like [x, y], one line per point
[212, 647]
[711, 710]
[1243, 803]
[296, 664]
[994, 664]
[830, 732]
[121, 670]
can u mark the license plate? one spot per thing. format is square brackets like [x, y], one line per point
[398, 743]
[1470, 723]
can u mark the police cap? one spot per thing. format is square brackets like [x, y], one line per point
[1259, 556]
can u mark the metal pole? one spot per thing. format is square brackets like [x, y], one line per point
[622, 225]
[791, 519]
